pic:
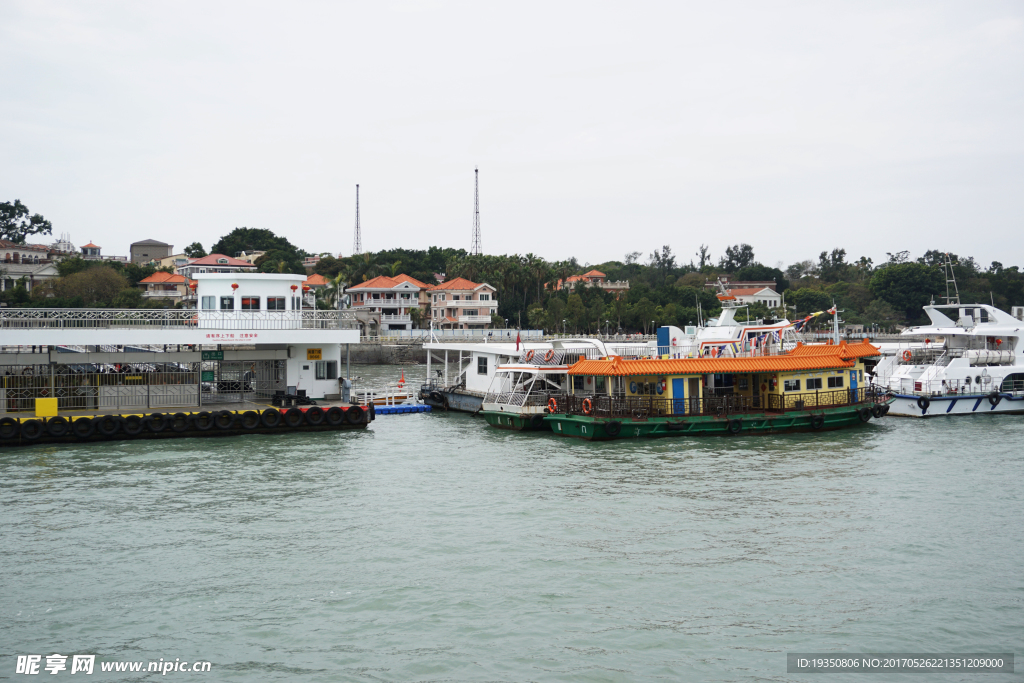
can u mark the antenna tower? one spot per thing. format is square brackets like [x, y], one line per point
[357, 241]
[475, 251]
[947, 270]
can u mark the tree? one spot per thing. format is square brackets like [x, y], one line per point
[759, 273]
[809, 300]
[799, 269]
[254, 239]
[880, 313]
[907, 287]
[96, 286]
[832, 267]
[703, 258]
[128, 298]
[16, 224]
[736, 257]
[279, 261]
[328, 266]
[195, 250]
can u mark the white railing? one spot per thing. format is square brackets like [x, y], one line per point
[374, 301]
[474, 303]
[109, 318]
[474, 318]
[396, 318]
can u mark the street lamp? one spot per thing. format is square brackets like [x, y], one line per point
[563, 327]
[606, 324]
[652, 327]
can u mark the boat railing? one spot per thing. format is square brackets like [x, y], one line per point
[519, 398]
[979, 384]
[644, 407]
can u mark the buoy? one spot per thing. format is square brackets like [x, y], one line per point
[401, 382]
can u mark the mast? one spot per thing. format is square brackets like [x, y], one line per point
[947, 270]
[357, 241]
[475, 250]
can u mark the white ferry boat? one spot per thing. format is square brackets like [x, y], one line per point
[970, 362]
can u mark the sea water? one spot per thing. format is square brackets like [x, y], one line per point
[431, 547]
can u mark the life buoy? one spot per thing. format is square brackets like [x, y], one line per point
[549, 355]
[529, 355]
[552, 405]
[907, 355]
[588, 407]
[923, 403]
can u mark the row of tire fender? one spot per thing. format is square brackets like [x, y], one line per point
[132, 425]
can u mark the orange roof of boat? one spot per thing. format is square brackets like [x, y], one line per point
[616, 366]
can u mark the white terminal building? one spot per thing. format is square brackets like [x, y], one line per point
[249, 339]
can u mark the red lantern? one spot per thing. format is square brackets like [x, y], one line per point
[234, 285]
[193, 286]
[305, 288]
[294, 287]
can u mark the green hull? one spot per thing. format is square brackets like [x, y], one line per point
[515, 422]
[595, 429]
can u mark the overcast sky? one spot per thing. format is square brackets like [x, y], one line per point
[599, 128]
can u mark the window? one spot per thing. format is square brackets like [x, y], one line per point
[481, 365]
[275, 303]
[455, 297]
[814, 383]
[744, 382]
[578, 383]
[227, 303]
[327, 369]
[599, 385]
[791, 385]
[469, 312]
[222, 260]
[296, 303]
[209, 303]
[485, 297]
[835, 382]
[250, 303]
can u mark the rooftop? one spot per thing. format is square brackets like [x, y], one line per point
[459, 283]
[213, 260]
[166, 278]
[385, 282]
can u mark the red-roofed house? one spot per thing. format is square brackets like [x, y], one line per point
[393, 299]
[459, 304]
[164, 286]
[215, 263]
[595, 278]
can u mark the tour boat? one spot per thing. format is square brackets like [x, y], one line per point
[808, 388]
[971, 362]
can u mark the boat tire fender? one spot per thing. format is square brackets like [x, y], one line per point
[436, 397]
[293, 418]
[373, 411]
[250, 419]
[202, 421]
[108, 425]
[9, 428]
[354, 415]
[537, 421]
[315, 416]
[864, 414]
[817, 421]
[923, 403]
[612, 428]
[335, 416]
[994, 398]
[133, 425]
[224, 419]
[157, 422]
[58, 426]
[180, 422]
[83, 427]
[735, 426]
[877, 411]
[31, 429]
[271, 417]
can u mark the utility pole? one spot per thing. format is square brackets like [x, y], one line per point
[476, 251]
[357, 241]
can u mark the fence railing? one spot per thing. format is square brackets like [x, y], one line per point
[144, 318]
[643, 407]
[979, 384]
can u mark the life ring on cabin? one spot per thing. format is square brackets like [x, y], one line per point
[588, 407]
[529, 355]
[923, 403]
[907, 355]
[549, 355]
[552, 405]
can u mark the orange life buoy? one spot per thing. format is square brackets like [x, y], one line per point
[549, 355]
[588, 407]
[552, 405]
[529, 355]
[907, 355]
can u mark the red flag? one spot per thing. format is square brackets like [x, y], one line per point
[517, 340]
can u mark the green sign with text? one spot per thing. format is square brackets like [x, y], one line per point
[207, 375]
[213, 355]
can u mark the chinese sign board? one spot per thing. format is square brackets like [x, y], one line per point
[314, 354]
[213, 355]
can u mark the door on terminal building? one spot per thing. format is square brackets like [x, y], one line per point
[694, 395]
[678, 397]
[853, 385]
[305, 384]
[755, 393]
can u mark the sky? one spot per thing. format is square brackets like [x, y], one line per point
[599, 128]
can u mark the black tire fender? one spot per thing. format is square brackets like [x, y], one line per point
[108, 425]
[250, 419]
[83, 427]
[335, 416]
[436, 397]
[537, 421]
[58, 426]
[994, 398]
[202, 421]
[923, 403]
[877, 411]
[31, 429]
[180, 422]
[270, 418]
[864, 414]
[294, 417]
[315, 416]
[735, 426]
[133, 425]
[817, 421]
[613, 428]
[9, 428]
[354, 415]
[223, 419]
[157, 422]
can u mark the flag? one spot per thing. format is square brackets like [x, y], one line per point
[832, 311]
[517, 340]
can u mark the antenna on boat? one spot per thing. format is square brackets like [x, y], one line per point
[357, 240]
[947, 270]
[475, 250]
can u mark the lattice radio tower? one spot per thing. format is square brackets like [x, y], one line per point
[357, 240]
[476, 215]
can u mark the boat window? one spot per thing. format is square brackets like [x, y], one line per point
[481, 365]
[227, 303]
[813, 383]
[599, 385]
[744, 382]
[1014, 382]
[209, 303]
[275, 303]
[835, 382]
[792, 385]
[250, 303]
[578, 384]
[982, 315]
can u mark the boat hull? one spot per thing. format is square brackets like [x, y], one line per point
[516, 421]
[597, 429]
[452, 400]
[907, 405]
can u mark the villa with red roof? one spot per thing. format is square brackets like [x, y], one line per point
[163, 286]
[459, 304]
[595, 278]
[393, 299]
[215, 263]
